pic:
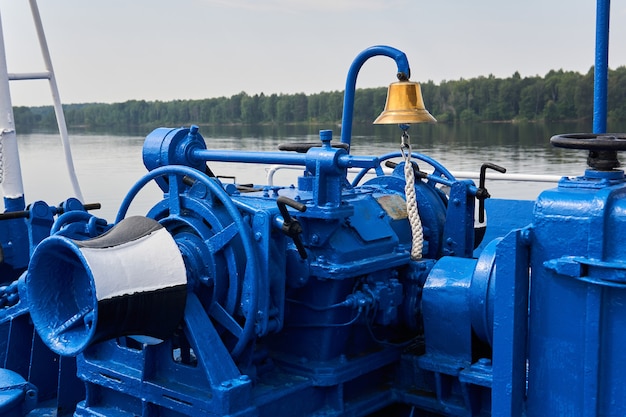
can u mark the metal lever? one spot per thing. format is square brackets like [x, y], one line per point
[481, 193]
[24, 214]
[291, 227]
[416, 170]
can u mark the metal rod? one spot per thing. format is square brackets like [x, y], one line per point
[600, 89]
[29, 76]
[24, 214]
[58, 108]
[508, 177]
[285, 158]
[272, 170]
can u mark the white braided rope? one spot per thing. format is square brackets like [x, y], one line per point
[417, 232]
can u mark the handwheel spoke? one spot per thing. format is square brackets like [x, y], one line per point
[220, 242]
[436, 173]
[379, 170]
[174, 198]
[222, 238]
[232, 295]
[226, 320]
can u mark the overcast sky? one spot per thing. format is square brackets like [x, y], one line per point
[117, 50]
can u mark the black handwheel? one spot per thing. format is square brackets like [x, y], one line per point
[602, 147]
[591, 141]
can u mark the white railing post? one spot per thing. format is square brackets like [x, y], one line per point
[10, 169]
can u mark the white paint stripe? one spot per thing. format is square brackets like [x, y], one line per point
[150, 263]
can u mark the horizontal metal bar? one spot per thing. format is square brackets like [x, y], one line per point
[507, 177]
[497, 176]
[284, 158]
[30, 76]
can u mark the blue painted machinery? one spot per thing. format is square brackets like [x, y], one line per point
[375, 295]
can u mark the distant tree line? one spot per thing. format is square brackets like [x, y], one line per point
[559, 95]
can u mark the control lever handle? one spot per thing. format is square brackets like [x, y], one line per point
[291, 227]
[482, 194]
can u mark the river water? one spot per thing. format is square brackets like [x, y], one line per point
[107, 165]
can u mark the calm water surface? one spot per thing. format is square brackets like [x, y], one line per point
[108, 165]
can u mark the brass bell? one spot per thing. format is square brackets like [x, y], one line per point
[404, 105]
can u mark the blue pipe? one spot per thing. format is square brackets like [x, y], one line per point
[279, 158]
[404, 72]
[600, 95]
[283, 158]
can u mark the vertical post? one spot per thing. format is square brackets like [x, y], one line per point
[601, 66]
[510, 327]
[10, 169]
